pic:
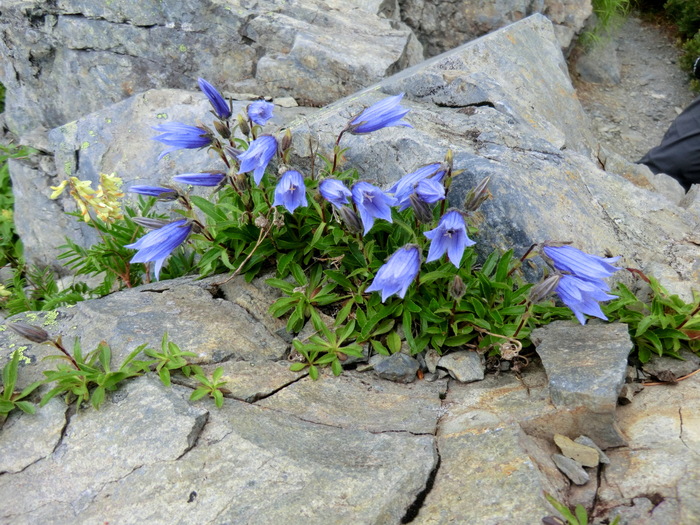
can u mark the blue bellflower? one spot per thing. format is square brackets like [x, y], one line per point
[156, 245]
[290, 191]
[200, 179]
[406, 185]
[154, 191]
[581, 264]
[259, 112]
[258, 156]
[372, 203]
[397, 274]
[582, 296]
[383, 114]
[449, 237]
[335, 192]
[430, 191]
[181, 136]
[221, 107]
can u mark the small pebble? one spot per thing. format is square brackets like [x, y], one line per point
[571, 469]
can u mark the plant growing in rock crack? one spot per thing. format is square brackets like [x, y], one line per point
[579, 516]
[89, 377]
[334, 239]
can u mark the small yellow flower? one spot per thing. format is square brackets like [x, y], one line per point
[104, 201]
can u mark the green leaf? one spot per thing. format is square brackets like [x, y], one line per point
[26, 407]
[208, 208]
[218, 398]
[393, 342]
[98, 397]
[336, 367]
[199, 394]
[9, 376]
[379, 347]
[313, 372]
[217, 374]
[297, 367]
[581, 515]
[164, 375]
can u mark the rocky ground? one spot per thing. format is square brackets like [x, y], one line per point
[632, 116]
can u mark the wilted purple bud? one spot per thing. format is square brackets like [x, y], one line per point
[581, 264]
[335, 192]
[457, 288]
[350, 218]
[261, 222]
[222, 129]
[582, 297]
[477, 196]
[259, 112]
[151, 224]
[200, 179]
[383, 114]
[258, 156]
[397, 274]
[181, 136]
[158, 244]
[421, 210]
[543, 289]
[290, 191]
[286, 142]
[221, 107]
[449, 237]
[163, 194]
[30, 332]
[372, 203]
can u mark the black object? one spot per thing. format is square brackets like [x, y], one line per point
[678, 155]
[696, 68]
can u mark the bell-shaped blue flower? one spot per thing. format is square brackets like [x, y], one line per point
[221, 107]
[156, 245]
[181, 136]
[290, 191]
[335, 192]
[449, 237]
[430, 191]
[581, 264]
[397, 274]
[154, 191]
[260, 111]
[372, 203]
[383, 114]
[582, 297]
[258, 156]
[406, 185]
[200, 179]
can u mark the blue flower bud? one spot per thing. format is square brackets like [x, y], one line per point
[221, 107]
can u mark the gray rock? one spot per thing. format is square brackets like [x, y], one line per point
[600, 64]
[216, 329]
[585, 440]
[583, 454]
[29, 439]
[65, 60]
[147, 454]
[356, 401]
[464, 366]
[571, 468]
[431, 359]
[398, 367]
[441, 26]
[665, 368]
[586, 368]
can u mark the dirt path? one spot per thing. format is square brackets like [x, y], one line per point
[632, 116]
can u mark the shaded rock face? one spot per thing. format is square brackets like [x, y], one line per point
[443, 25]
[62, 60]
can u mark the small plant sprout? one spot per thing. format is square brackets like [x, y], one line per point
[9, 399]
[209, 387]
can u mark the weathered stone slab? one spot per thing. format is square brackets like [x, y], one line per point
[26, 440]
[360, 401]
[586, 368]
[66, 59]
[145, 457]
[215, 329]
[663, 457]
[464, 366]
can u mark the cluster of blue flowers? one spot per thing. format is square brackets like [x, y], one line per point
[579, 285]
[581, 275]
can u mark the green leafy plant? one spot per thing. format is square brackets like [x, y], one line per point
[89, 377]
[9, 399]
[661, 325]
[578, 517]
[610, 15]
[169, 359]
[209, 387]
